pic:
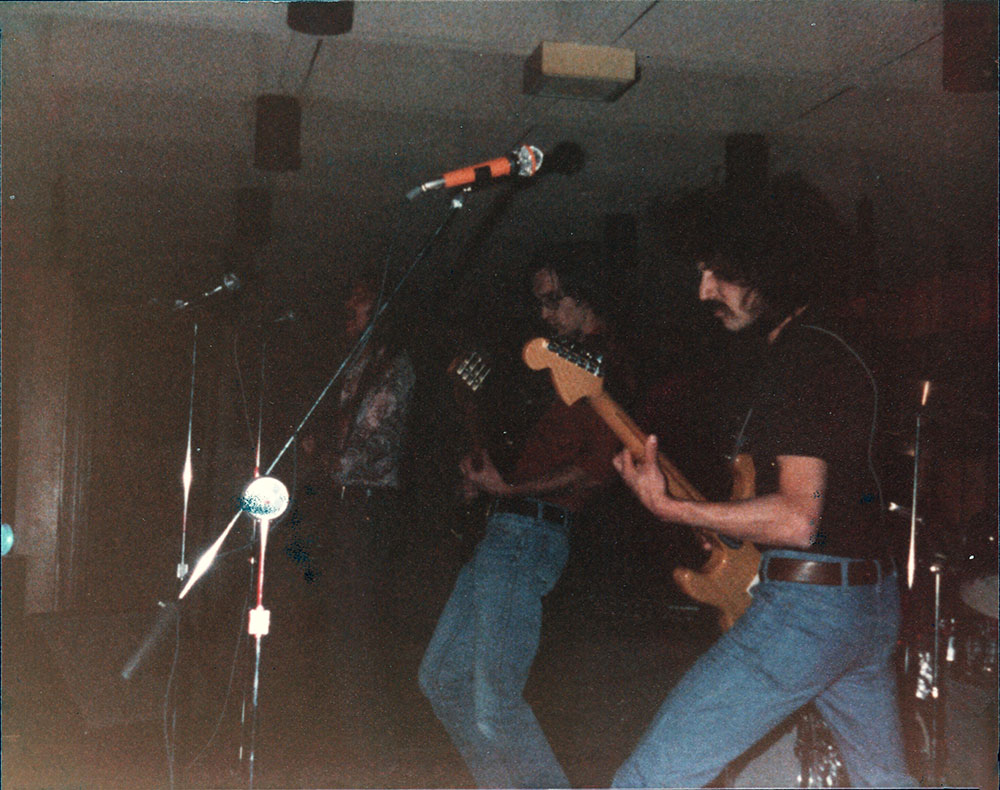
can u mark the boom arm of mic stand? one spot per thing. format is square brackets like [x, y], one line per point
[457, 202]
[206, 560]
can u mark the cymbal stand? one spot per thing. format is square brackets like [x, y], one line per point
[932, 677]
[933, 756]
[911, 559]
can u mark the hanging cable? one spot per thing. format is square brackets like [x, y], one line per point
[284, 62]
[635, 21]
[854, 85]
[309, 70]
[243, 392]
[241, 638]
[260, 407]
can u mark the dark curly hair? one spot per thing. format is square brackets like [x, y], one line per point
[787, 242]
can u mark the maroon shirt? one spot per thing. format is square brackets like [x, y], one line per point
[568, 435]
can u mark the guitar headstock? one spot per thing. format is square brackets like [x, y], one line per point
[471, 369]
[576, 373]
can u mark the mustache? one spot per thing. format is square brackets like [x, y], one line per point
[713, 306]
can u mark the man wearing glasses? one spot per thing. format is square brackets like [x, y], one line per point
[478, 660]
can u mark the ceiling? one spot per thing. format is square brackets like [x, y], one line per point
[128, 128]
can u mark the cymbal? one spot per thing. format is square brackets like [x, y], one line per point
[956, 358]
[982, 594]
[938, 440]
[937, 400]
[953, 419]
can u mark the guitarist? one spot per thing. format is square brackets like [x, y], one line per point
[825, 614]
[478, 660]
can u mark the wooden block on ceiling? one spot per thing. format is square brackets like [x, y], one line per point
[580, 71]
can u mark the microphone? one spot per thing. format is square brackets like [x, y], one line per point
[230, 282]
[524, 161]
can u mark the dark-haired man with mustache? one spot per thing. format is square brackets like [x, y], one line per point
[823, 622]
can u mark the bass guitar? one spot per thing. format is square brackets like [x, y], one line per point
[469, 373]
[723, 581]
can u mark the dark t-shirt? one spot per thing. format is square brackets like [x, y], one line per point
[814, 398]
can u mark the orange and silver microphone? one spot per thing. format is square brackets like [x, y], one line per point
[523, 161]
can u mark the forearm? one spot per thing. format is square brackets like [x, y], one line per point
[774, 519]
[558, 480]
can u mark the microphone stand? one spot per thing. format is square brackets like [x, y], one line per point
[457, 203]
[208, 557]
[258, 627]
[259, 617]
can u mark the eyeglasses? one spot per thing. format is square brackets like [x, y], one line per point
[550, 301]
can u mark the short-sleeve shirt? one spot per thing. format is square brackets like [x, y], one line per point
[568, 435]
[370, 445]
[813, 397]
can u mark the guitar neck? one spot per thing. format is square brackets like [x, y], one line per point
[635, 440]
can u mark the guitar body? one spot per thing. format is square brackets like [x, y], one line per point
[723, 581]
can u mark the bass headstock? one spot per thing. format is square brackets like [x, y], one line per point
[471, 369]
[576, 373]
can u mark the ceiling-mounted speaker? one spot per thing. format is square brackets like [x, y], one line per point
[580, 71]
[969, 53]
[746, 162]
[279, 128]
[331, 18]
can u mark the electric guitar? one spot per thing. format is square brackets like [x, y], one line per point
[722, 582]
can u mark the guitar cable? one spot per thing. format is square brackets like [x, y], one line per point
[741, 436]
[871, 435]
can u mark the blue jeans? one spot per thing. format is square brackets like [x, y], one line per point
[795, 643]
[478, 660]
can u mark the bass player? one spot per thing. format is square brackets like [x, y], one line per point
[478, 660]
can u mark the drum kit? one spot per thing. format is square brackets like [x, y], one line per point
[937, 456]
[949, 637]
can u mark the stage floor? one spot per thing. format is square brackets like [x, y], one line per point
[608, 656]
[615, 639]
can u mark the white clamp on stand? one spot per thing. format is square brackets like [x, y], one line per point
[260, 621]
[264, 499]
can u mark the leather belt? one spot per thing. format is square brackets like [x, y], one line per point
[554, 515]
[788, 569]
